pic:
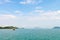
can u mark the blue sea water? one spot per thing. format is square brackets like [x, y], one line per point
[30, 34]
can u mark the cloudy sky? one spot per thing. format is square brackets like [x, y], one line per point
[30, 13]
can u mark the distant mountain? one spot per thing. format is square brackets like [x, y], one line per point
[56, 27]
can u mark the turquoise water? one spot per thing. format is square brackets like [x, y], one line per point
[30, 34]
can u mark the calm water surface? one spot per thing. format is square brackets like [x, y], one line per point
[30, 34]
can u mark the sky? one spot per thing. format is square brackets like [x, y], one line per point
[30, 13]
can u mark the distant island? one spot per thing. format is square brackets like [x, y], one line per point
[56, 27]
[8, 27]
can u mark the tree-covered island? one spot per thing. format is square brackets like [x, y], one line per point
[8, 27]
[56, 27]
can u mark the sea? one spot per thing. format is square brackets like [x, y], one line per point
[30, 34]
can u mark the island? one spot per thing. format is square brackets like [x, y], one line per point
[8, 27]
[56, 27]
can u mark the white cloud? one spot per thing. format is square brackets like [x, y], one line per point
[31, 2]
[38, 7]
[52, 15]
[58, 11]
[18, 12]
[6, 17]
[5, 1]
[39, 11]
[46, 14]
[45, 19]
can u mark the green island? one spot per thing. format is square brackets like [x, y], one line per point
[56, 27]
[8, 27]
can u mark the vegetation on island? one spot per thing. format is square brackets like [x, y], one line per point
[56, 27]
[8, 27]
